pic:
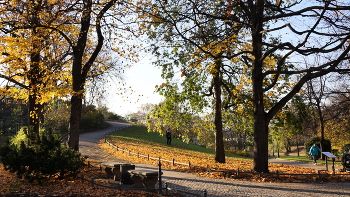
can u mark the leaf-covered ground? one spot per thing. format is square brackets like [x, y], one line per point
[148, 145]
[11, 186]
[207, 166]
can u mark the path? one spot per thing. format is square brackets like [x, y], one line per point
[215, 187]
[305, 164]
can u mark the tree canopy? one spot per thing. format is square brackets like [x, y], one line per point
[52, 49]
[273, 44]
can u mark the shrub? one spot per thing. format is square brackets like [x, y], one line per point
[92, 120]
[345, 148]
[239, 152]
[326, 146]
[39, 156]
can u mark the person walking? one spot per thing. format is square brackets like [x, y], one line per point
[168, 136]
[314, 153]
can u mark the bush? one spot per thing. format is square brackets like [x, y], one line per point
[326, 146]
[92, 120]
[239, 152]
[39, 156]
[345, 148]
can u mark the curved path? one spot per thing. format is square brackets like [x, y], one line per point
[189, 183]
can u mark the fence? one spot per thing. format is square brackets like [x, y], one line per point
[223, 172]
[160, 188]
[227, 173]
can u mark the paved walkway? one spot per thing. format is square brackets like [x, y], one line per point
[192, 185]
[305, 164]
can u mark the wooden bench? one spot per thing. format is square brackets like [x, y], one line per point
[125, 175]
[144, 179]
[112, 170]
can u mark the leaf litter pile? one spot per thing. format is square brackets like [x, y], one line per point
[203, 164]
[12, 186]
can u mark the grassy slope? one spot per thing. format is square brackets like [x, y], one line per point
[140, 134]
[137, 140]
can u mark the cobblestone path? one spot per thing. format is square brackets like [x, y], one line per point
[191, 185]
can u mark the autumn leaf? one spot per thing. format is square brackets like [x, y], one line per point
[203, 164]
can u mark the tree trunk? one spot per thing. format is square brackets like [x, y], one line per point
[219, 141]
[298, 145]
[76, 101]
[320, 115]
[33, 110]
[261, 134]
[79, 74]
[34, 73]
[74, 122]
[260, 163]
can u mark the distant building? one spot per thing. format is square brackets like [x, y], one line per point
[14, 101]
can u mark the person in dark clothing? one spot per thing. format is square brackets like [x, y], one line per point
[168, 136]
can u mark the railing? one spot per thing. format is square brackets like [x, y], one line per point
[225, 173]
[160, 188]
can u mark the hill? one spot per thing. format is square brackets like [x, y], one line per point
[135, 141]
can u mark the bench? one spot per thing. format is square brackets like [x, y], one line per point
[125, 175]
[113, 170]
[107, 167]
[144, 179]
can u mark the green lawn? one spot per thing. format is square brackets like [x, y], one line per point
[305, 159]
[139, 133]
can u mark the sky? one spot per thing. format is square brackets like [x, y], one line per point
[142, 78]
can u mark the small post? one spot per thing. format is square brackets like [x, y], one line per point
[89, 165]
[173, 162]
[189, 164]
[237, 172]
[160, 176]
[205, 193]
[92, 181]
[148, 157]
[277, 174]
[138, 155]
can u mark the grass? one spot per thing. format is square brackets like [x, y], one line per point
[305, 159]
[135, 144]
[140, 134]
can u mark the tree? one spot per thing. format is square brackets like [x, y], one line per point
[32, 57]
[141, 115]
[74, 32]
[338, 124]
[260, 20]
[289, 123]
[200, 57]
[98, 19]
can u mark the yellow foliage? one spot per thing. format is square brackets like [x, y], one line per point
[270, 62]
